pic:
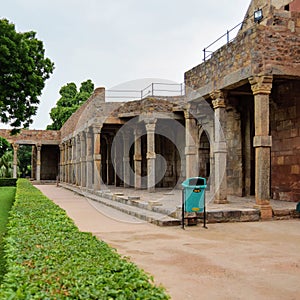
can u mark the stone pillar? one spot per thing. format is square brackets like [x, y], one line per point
[61, 161]
[261, 87]
[192, 168]
[126, 158]
[15, 161]
[77, 160]
[89, 159]
[151, 155]
[73, 160]
[38, 162]
[109, 165]
[82, 160]
[137, 159]
[220, 149]
[66, 162]
[70, 161]
[97, 157]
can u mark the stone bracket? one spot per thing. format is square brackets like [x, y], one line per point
[262, 141]
[151, 155]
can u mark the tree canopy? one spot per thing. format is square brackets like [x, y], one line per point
[69, 102]
[23, 72]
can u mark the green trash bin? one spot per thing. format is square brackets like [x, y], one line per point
[193, 197]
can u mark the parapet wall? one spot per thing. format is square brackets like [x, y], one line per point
[271, 47]
[32, 137]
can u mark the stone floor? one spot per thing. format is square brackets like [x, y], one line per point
[156, 206]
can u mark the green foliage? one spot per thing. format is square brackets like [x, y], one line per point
[6, 165]
[69, 102]
[6, 159]
[24, 70]
[4, 146]
[49, 258]
[7, 196]
[24, 157]
[8, 182]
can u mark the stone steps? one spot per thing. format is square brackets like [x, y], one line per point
[128, 207]
[152, 212]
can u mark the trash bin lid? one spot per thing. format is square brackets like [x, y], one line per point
[195, 182]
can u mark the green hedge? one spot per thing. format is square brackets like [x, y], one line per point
[49, 258]
[8, 181]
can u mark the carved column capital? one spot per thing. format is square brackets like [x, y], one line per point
[218, 99]
[217, 94]
[15, 146]
[150, 125]
[261, 84]
[97, 129]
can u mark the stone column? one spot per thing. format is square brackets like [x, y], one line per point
[192, 168]
[82, 160]
[151, 155]
[220, 149]
[15, 161]
[73, 160]
[126, 158]
[38, 162]
[261, 87]
[61, 161]
[109, 165]
[77, 161]
[66, 162]
[70, 145]
[137, 159]
[97, 157]
[89, 159]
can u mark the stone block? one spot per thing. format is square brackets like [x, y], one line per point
[281, 212]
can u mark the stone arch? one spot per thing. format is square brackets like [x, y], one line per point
[204, 150]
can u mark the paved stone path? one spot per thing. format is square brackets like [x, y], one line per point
[257, 260]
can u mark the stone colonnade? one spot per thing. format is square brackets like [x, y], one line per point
[36, 155]
[261, 88]
[81, 158]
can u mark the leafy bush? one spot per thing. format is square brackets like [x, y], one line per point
[8, 181]
[49, 258]
[7, 197]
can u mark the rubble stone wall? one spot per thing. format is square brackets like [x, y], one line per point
[285, 130]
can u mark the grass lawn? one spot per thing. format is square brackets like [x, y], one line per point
[7, 196]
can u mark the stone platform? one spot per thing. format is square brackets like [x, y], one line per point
[163, 207]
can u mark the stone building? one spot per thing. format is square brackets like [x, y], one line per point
[238, 123]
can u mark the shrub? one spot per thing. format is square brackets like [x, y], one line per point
[7, 197]
[8, 181]
[49, 258]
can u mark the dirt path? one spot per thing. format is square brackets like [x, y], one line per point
[226, 261]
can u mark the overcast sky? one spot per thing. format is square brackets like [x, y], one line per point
[115, 41]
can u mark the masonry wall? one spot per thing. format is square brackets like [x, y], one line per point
[285, 130]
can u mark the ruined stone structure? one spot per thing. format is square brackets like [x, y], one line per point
[238, 124]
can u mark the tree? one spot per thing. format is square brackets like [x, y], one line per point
[23, 72]
[69, 102]
[4, 146]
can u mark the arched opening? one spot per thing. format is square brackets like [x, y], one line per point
[204, 155]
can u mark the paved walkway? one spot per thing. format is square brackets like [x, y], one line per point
[256, 260]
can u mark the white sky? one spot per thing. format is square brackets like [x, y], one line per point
[115, 41]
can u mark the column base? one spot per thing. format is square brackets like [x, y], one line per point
[266, 211]
[221, 201]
